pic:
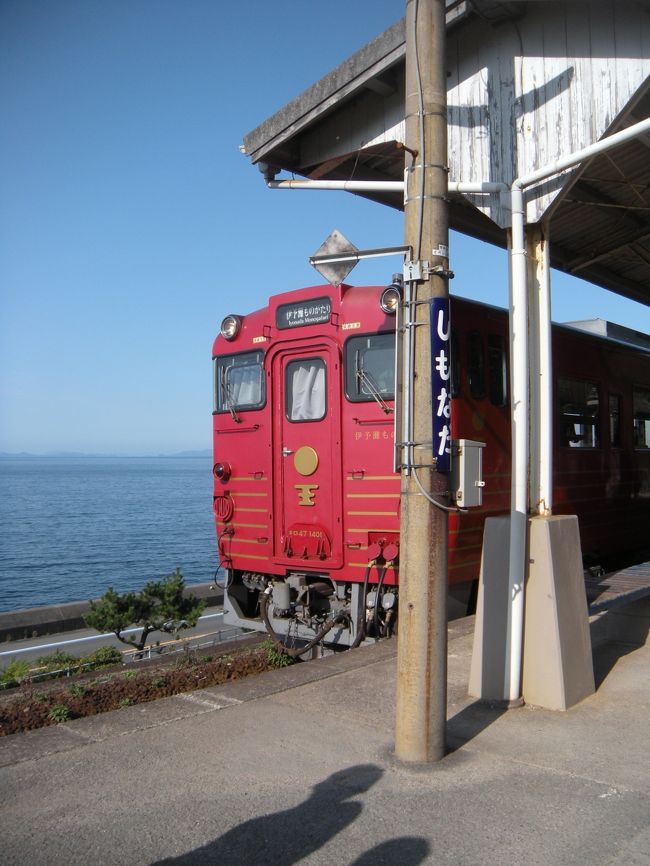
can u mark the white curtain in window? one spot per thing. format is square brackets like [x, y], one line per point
[244, 384]
[306, 391]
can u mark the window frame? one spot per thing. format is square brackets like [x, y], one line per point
[349, 367]
[635, 390]
[491, 367]
[475, 338]
[219, 364]
[597, 420]
[287, 390]
[619, 415]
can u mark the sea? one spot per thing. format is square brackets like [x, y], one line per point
[70, 527]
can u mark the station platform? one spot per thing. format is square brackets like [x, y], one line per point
[297, 766]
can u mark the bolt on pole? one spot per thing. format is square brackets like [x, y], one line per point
[420, 730]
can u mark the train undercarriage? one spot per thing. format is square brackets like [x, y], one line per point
[304, 611]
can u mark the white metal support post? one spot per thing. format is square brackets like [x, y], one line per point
[541, 372]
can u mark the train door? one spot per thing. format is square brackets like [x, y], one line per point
[307, 457]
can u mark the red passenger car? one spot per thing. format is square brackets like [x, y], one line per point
[306, 498]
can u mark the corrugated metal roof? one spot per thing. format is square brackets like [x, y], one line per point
[599, 226]
[612, 331]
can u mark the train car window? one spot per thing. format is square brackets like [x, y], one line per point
[579, 414]
[239, 382]
[642, 417]
[455, 365]
[614, 421]
[476, 365]
[497, 377]
[305, 390]
[370, 368]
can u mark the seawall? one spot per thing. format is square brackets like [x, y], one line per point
[56, 618]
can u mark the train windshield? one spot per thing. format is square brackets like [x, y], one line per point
[370, 369]
[238, 383]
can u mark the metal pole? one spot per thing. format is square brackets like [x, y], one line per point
[422, 643]
[519, 424]
[540, 368]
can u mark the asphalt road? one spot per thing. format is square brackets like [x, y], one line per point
[208, 631]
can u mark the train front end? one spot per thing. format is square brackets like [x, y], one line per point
[306, 499]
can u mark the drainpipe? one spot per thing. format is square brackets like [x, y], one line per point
[541, 497]
[382, 185]
[519, 361]
[347, 185]
[519, 421]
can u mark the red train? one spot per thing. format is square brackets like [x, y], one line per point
[306, 499]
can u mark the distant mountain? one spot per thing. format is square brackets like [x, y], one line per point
[206, 452]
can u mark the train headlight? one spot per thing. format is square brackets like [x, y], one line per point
[222, 471]
[391, 296]
[230, 327]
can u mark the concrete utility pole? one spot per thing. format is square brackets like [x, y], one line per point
[422, 642]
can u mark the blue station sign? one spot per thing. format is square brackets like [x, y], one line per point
[441, 383]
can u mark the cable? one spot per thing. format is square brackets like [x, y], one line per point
[227, 583]
[361, 619]
[454, 509]
[382, 574]
[296, 652]
[229, 578]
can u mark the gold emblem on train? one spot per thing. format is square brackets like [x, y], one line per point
[306, 493]
[305, 460]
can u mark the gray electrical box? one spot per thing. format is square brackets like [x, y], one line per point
[467, 483]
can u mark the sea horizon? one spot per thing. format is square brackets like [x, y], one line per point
[74, 525]
[203, 452]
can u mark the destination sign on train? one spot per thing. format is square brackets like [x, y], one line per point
[312, 312]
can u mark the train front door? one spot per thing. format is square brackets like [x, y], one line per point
[307, 457]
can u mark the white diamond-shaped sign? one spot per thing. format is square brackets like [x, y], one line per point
[336, 244]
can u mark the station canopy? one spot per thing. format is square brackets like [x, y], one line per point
[530, 81]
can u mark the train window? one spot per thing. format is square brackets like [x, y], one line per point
[455, 365]
[238, 382]
[614, 421]
[370, 368]
[642, 417]
[305, 390]
[497, 377]
[579, 418]
[476, 365]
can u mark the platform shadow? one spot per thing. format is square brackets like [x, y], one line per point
[607, 655]
[405, 851]
[471, 721]
[288, 836]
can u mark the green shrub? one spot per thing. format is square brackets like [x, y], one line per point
[57, 660]
[160, 606]
[77, 690]
[125, 702]
[103, 656]
[274, 655]
[15, 671]
[59, 713]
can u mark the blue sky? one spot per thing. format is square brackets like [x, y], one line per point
[130, 223]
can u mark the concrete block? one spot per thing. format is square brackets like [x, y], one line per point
[557, 669]
[487, 671]
[557, 665]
